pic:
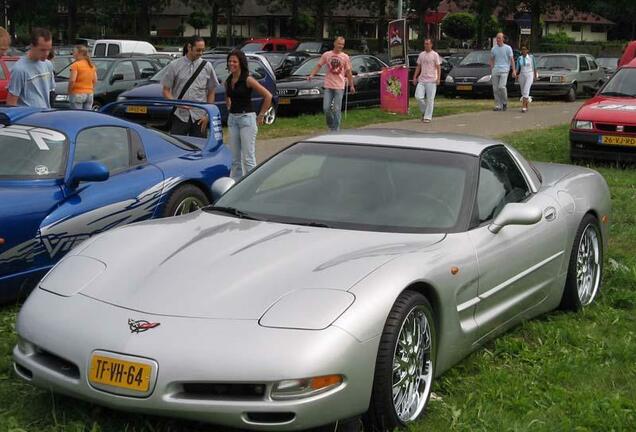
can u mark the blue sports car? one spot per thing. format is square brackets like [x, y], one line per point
[67, 175]
[259, 68]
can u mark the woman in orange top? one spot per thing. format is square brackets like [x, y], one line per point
[81, 84]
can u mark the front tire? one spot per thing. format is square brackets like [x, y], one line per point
[586, 266]
[185, 199]
[405, 365]
[270, 116]
[571, 94]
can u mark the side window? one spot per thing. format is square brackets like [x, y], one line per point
[500, 182]
[257, 70]
[281, 48]
[113, 50]
[145, 64]
[592, 63]
[100, 50]
[109, 145]
[221, 71]
[126, 69]
[358, 65]
[583, 64]
[374, 65]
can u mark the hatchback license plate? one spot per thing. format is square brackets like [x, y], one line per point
[120, 373]
[135, 109]
[284, 101]
[464, 87]
[618, 140]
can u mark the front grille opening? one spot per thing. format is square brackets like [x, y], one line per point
[22, 371]
[56, 364]
[270, 417]
[223, 391]
[606, 127]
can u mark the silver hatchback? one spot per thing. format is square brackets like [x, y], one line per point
[566, 75]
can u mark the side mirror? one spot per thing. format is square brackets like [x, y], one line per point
[147, 73]
[220, 186]
[87, 171]
[515, 214]
[116, 77]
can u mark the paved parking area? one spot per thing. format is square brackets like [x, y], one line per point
[483, 123]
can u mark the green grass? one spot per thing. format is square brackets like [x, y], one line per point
[561, 372]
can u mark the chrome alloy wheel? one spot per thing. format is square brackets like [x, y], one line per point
[412, 366]
[588, 266]
[188, 205]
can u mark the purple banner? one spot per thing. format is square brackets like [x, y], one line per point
[394, 90]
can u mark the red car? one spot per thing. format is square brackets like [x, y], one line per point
[605, 126]
[269, 44]
[6, 64]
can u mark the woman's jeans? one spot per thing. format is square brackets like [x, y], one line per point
[83, 101]
[243, 131]
[332, 107]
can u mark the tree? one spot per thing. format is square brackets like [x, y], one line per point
[198, 20]
[419, 8]
[460, 25]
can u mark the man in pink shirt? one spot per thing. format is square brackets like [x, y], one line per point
[426, 77]
[338, 67]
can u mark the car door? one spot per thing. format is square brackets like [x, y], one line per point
[596, 72]
[359, 69]
[130, 194]
[259, 73]
[585, 74]
[374, 75]
[122, 77]
[518, 264]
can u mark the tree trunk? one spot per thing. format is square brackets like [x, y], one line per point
[535, 26]
[229, 35]
[214, 26]
[143, 20]
[293, 23]
[320, 20]
[71, 30]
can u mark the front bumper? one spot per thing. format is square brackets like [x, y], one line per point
[549, 89]
[469, 89]
[300, 104]
[189, 350]
[585, 145]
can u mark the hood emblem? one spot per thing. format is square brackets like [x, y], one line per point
[620, 128]
[140, 326]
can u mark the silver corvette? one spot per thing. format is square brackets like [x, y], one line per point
[332, 284]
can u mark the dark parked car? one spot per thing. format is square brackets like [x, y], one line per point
[471, 77]
[297, 94]
[158, 115]
[114, 76]
[284, 63]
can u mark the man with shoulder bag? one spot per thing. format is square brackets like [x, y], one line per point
[191, 78]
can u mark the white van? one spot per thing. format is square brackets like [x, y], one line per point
[112, 47]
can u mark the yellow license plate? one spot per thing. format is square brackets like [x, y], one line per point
[120, 373]
[464, 87]
[135, 109]
[618, 140]
[284, 101]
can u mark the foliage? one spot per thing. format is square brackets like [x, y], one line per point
[460, 25]
[560, 37]
[198, 20]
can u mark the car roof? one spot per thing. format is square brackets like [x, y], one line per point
[457, 143]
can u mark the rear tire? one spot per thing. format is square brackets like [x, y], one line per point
[185, 199]
[586, 266]
[405, 365]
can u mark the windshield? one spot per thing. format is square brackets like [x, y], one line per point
[358, 187]
[274, 59]
[31, 152]
[557, 62]
[476, 58]
[622, 83]
[251, 47]
[309, 47]
[102, 66]
[305, 68]
[608, 62]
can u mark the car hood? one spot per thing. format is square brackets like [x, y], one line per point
[150, 90]
[608, 109]
[213, 266]
[473, 71]
[300, 82]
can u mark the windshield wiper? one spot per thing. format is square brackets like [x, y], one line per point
[475, 64]
[613, 93]
[231, 211]
[311, 224]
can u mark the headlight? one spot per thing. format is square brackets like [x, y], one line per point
[121, 98]
[583, 124]
[449, 79]
[305, 92]
[61, 98]
[485, 78]
[557, 79]
[305, 387]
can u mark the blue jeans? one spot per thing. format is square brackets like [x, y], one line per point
[243, 129]
[83, 101]
[332, 107]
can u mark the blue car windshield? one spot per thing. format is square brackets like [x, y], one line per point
[31, 152]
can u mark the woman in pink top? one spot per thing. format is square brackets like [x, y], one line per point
[338, 67]
[426, 77]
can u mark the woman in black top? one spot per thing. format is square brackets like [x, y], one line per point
[242, 120]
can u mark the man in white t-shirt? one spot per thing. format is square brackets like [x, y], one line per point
[426, 76]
